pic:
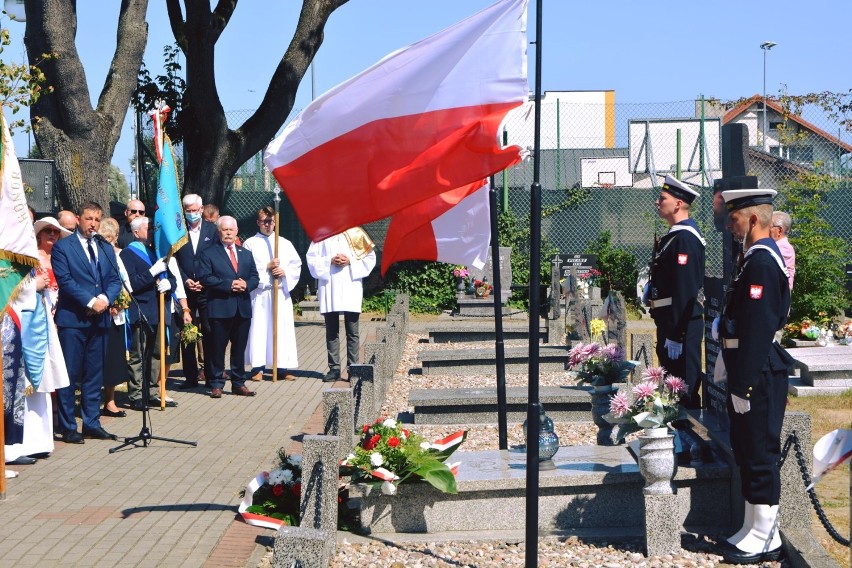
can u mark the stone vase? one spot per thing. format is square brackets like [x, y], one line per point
[657, 462]
[600, 407]
[595, 293]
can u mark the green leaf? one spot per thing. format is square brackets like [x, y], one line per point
[439, 476]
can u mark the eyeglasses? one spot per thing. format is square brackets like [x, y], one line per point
[51, 230]
[137, 211]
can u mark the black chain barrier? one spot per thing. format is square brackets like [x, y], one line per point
[793, 440]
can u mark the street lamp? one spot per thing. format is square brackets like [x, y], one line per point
[765, 46]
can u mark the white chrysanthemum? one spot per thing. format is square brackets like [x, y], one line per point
[388, 488]
[276, 476]
[425, 445]
[295, 461]
[389, 423]
[376, 459]
[349, 459]
[287, 476]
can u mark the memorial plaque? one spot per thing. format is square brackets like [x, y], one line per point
[714, 396]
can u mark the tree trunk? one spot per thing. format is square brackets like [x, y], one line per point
[81, 139]
[213, 152]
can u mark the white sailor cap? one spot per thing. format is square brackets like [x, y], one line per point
[679, 189]
[740, 198]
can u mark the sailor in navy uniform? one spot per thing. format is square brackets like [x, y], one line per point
[756, 306]
[675, 289]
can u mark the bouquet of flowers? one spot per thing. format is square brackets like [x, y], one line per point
[460, 271]
[843, 332]
[482, 287]
[391, 454]
[122, 302]
[600, 365]
[655, 403]
[273, 497]
[190, 334]
[591, 278]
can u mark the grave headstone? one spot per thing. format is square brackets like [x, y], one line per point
[302, 546]
[714, 395]
[338, 417]
[320, 473]
[505, 272]
[617, 319]
[580, 263]
[642, 350]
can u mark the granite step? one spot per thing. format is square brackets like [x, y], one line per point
[478, 361]
[480, 331]
[824, 366]
[590, 487]
[479, 405]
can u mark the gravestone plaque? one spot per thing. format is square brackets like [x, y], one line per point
[582, 263]
[714, 396]
[505, 272]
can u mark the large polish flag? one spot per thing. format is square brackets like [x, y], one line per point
[422, 121]
[453, 227]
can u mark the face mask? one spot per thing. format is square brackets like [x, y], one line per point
[193, 217]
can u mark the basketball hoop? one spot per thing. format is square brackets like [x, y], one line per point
[607, 185]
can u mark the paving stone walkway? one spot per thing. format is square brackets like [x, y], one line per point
[166, 504]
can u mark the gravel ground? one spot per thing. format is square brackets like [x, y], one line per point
[553, 552]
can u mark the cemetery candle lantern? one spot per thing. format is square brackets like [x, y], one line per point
[548, 441]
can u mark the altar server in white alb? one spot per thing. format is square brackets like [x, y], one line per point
[339, 264]
[287, 267]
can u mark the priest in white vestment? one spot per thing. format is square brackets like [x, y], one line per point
[287, 267]
[340, 263]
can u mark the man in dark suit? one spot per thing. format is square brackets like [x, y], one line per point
[201, 235]
[143, 271]
[88, 284]
[135, 209]
[228, 274]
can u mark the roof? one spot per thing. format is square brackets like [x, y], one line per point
[754, 99]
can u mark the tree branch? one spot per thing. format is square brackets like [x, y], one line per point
[221, 16]
[177, 23]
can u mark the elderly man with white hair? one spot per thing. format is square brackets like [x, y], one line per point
[201, 235]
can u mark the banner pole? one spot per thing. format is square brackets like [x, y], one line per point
[162, 330]
[2, 432]
[275, 284]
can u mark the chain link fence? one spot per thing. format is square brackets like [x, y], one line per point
[616, 156]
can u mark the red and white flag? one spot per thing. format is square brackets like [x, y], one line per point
[453, 227]
[423, 121]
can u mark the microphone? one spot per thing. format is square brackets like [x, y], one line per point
[98, 237]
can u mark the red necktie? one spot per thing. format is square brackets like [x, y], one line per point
[233, 257]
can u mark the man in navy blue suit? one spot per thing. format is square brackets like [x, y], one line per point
[201, 235]
[143, 271]
[228, 274]
[88, 284]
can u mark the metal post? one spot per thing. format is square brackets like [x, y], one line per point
[502, 428]
[533, 404]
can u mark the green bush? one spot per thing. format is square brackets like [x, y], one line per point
[617, 266]
[819, 284]
[515, 233]
[430, 286]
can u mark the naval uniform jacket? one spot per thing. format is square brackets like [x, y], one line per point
[755, 308]
[677, 276]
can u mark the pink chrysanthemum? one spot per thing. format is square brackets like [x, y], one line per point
[676, 384]
[645, 389]
[619, 405]
[590, 350]
[655, 374]
[575, 355]
[612, 352]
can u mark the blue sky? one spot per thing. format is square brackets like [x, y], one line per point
[659, 51]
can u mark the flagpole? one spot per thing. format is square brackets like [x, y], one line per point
[277, 201]
[533, 404]
[162, 331]
[499, 348]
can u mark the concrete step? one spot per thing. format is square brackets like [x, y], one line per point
[477, 361]
[463, 332]
[479, 406]
[797, 387]
[829, 366]
[591, 487]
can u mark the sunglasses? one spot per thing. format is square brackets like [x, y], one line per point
[51, 230]
[267, 221]
[137, 211]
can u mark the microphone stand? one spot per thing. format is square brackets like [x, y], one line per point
[145, 434]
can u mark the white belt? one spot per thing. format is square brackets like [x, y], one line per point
[731, 343]
[661, 303]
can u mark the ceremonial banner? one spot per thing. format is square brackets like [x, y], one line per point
[423, 121]
[169, 227]
[454, 227]
[18, 249]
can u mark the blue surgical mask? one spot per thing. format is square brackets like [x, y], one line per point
[193, 217]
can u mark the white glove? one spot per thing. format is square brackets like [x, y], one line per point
[163, 286]
[741, 405]
[714, 329]
[674, 348]
[645, 292]
[158, 267]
